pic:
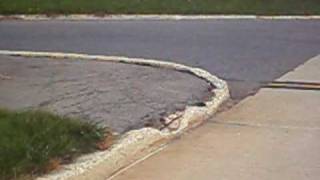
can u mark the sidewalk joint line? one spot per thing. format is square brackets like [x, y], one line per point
[299, 85]
[233, 123]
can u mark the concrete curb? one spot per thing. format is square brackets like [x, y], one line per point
[79, 17]
[136, 144]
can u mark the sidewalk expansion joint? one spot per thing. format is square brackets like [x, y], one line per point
[293, 85]
[298, 85]
[239, 124]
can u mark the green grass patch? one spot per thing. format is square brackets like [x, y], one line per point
[31, 141]
[258, 7]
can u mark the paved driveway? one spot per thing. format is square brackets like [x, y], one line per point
[120, 96]
[244, 52]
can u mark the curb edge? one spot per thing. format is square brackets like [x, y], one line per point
[136, 144]
[79, 17]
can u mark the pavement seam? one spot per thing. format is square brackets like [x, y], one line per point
[75, 17]
[136, 144]
[136, 162]
[234, 123]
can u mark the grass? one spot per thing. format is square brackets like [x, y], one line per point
[258, 7]
[34, 142]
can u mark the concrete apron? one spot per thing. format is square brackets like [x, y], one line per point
[136, 144]
[272, 135]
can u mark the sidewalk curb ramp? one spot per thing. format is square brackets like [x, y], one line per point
[134, 145]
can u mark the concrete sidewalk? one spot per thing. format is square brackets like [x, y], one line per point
[272, 135]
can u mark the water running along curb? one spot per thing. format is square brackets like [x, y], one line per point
[135, 144]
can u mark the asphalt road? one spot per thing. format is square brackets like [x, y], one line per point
[243, 52]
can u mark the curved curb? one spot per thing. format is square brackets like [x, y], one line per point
[135, 144]
[79, 17]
